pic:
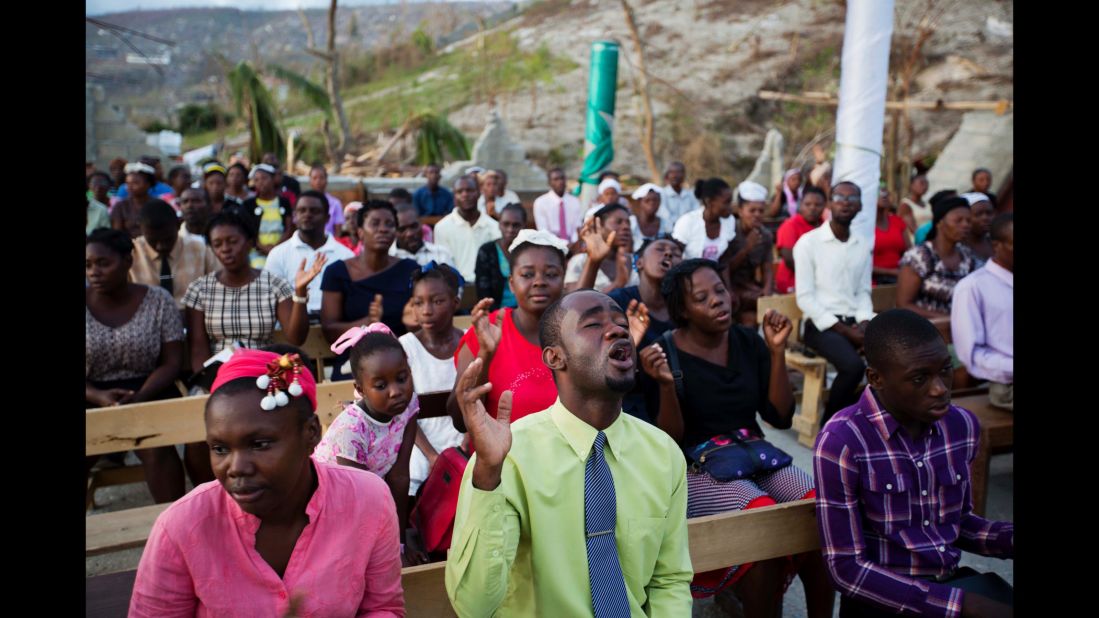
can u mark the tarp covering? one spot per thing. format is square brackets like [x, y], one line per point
[598, 137]
[860, 119]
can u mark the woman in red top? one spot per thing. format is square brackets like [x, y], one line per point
[890, 242]
[807, 219]
[507, 339]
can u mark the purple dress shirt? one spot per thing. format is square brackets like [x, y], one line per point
[893, 508]
[335, 214]
[982, 322]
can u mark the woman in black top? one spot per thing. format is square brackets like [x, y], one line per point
[730, 374]
[492, 268]
[654, 259]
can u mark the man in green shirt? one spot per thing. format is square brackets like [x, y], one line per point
[578, 510]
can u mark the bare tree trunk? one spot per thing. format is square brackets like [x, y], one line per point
[641, 84]
[393, 141]
[330, 148]
[933, 12]
[334, 78]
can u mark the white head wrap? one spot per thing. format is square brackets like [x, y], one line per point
[261, 167]
[975, 197]
[539, 237]
[610, 182]
[139, 167]
[751, 191]
[644, 190]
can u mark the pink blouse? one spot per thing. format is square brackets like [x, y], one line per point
[201, 558]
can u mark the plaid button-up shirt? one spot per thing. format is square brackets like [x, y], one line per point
[893, 508]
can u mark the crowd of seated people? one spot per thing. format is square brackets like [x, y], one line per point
[220, 262]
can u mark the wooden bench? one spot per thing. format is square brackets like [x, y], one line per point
[997, 436]
[315, 345]
[813, 368]
[179, 421]
[716, 541]
[119, 429]
[469, 297]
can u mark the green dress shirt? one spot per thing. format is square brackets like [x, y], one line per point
[520, 550]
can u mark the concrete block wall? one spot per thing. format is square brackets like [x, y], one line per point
[108, 134]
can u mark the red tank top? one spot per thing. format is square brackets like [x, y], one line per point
[517, 367]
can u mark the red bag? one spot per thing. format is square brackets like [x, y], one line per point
[433, 516]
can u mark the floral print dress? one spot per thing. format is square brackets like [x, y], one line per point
[354, 435]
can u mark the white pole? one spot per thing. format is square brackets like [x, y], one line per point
[860, 119]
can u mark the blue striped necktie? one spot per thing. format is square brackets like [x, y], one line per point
[608, 588]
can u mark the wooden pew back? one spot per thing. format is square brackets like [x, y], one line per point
[315, 345]
[883, 297]
[175, 421]
[716, 541]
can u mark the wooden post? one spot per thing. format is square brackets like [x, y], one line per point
[807, 424]
[891, 158]
[1002, 105]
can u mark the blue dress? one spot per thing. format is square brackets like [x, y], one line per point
[392, 283]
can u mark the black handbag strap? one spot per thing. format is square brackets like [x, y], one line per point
[673, 363]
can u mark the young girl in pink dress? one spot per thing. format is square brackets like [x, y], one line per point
[376, 432]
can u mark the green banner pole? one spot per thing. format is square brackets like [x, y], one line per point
[598, 137]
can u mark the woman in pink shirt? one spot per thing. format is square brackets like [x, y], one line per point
[278, 532]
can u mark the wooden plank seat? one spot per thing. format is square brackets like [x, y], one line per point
[464, 322]
[315, 345]
[716, 541]
[179, 421]
[469, 297]
[997, 436]
[813, 367]
[166, 423]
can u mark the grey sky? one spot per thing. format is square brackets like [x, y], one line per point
[100, 7]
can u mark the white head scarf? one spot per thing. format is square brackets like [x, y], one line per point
[261, 167]
[644, 190]
[609, 182]
[138, 167]
[975, 197]
[751, 191]
[539, 237]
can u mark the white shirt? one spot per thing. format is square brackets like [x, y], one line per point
[833, 278]
[674, 205]
[429, 375]
[638, 235]
[509, 197]
[690, 230]
[595, 207]
[429, 251]
[463, 240]
[547, 214]
[183, 233]
[575, 269]
[284, 259]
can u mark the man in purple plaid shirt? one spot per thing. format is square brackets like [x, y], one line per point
[893, 497]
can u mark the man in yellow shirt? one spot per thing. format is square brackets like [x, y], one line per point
[578, 510]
